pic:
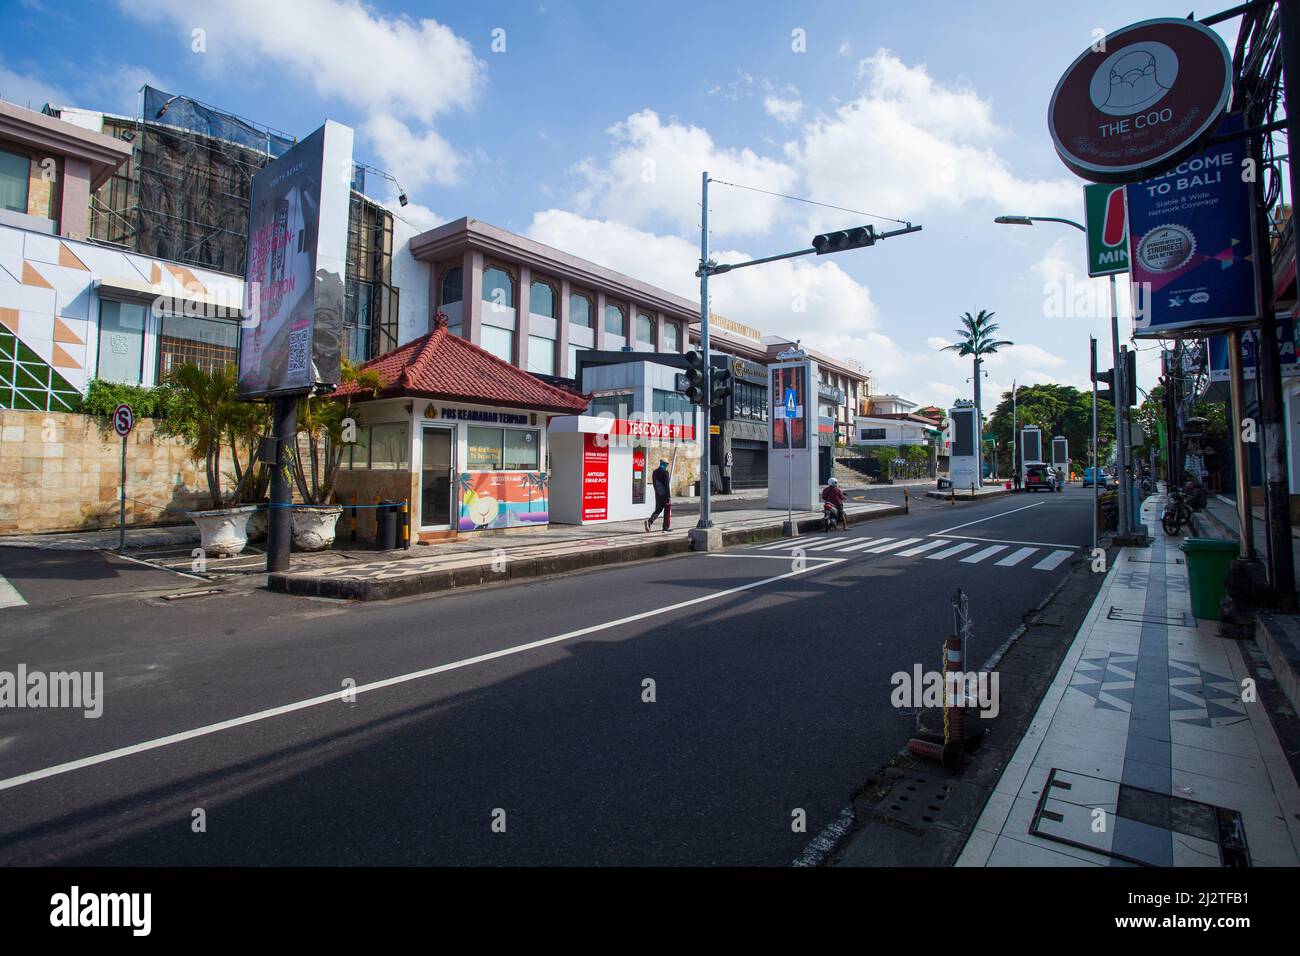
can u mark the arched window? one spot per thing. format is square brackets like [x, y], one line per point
[580, 310]
[541, 299]
[498, 287]
[645, 328]
[615, 320]
[450, 286]
[672, 341]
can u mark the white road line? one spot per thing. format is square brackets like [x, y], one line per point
[779, 545]
[922, 549]
[9, 596]
[971, 537]
[1015, 557]
[346, 693]
[858, 545]
[1052, 560]
[1000, 514]
[979, 556]
[958, 549]
[825, 545]
[767, 557]
[890, 547]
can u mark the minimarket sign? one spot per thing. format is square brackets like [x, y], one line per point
[1106, 218]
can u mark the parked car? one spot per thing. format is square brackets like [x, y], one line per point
[1103, 479]
[1040, 478]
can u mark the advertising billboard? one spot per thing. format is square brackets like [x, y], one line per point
[1287, 359]
[1192, 244]
[290, 335]
[1106, 218]
[790, 432]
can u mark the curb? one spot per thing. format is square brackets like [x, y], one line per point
[967, 496]
[446, 579]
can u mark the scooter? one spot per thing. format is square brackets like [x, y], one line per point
[1176, 513]
[830, 518]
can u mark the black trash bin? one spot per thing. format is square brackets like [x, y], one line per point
[386, 527]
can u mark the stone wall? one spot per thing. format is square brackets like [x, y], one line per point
[360, 486]
[61, 472]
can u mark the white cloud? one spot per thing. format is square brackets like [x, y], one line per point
[783, 108]
[652, 179]
[29, 91]
[421, 158]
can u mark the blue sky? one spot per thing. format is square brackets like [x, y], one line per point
[586, 124]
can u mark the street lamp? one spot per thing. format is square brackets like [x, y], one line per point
[1127, 524]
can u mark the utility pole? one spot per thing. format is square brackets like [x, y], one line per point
[1122, 450]
[1096, 449]
[1014, 466]
[706, 412]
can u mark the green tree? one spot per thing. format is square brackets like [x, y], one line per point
[201, 410]
[1057, 410]
[321, 421]
[977, 338]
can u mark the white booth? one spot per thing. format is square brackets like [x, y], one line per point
[964, 460]
[792, 454]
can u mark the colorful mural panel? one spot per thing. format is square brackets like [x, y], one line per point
[491, 500]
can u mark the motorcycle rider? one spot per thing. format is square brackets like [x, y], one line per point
[832, 495]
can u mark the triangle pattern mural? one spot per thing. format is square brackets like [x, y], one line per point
[28, 382]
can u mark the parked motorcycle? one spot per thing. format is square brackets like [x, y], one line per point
[1176, 514]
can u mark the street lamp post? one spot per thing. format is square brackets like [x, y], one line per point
[1126, 523]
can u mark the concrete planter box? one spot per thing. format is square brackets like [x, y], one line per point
[313, 528]
[223, 531]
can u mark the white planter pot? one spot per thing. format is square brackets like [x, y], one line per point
[257, 525]
[313, 528]
[223, 531]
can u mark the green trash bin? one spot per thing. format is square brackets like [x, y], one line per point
[1208, 561]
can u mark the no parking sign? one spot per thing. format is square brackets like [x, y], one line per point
[123, 419]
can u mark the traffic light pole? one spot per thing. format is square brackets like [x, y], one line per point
[1120, 388]
[706, 411]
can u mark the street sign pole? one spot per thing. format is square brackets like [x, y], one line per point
[791, 397]
[1096, 449]
[123, 422]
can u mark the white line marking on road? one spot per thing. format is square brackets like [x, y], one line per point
[346, 693]
[1052, 560]
[1000, 514]
[1015, 557]
[779, 545]
[971, 537]
[910, 552]
[9, 596]
[890, 547]
[768, 557]
[159, 567]
[826, 545]
[979, 556]
[950, 552]
[858, 545]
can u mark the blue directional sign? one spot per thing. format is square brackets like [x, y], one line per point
[790, 403]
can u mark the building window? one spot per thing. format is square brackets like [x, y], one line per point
[645, 328]
[541, 355]
[121, 342]
[749, 400]
[616, 406]
[573, 359]
[615, 320]
[211, 344]
[15, 171]
[541, 299]
[672, 337]
[357, 454]
[498, 288]
[871, 434]
[500, 342]
[503, 449]
[451, 286]
[673, 403]
[580, 310]
[390, 448]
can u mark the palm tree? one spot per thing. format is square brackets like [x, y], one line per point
[976, 340]
[202, 410]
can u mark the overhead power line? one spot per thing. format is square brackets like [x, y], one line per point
[811, 202]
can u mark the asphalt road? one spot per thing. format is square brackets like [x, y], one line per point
[518, 704]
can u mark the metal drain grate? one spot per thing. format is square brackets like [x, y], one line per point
[916, 801]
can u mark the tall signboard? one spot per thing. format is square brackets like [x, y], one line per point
[289, 340]
[1139, 100]
[964, 462]
[792, 451]
[1106, 219]
[1192, 236]
[1031, 445]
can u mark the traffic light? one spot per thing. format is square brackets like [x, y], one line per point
[854, 238]
[691, 382]
[1131, 376]
[1108, 378]
[719, 386]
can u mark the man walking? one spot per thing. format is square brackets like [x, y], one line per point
[663, 497]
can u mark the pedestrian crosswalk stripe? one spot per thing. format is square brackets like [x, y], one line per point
[890, 547]
[929, 546]
[979, 556]
[824, 546]
[956, 549]
[1052, 560]
[9, 596]
[864, 543]
[780, 545]
[1015, 557]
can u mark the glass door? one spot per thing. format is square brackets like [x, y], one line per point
[437, 471]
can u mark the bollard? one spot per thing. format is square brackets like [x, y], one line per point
[954, 728]
[406, 523]
[353, 519]
[906, 505]
[952, 494]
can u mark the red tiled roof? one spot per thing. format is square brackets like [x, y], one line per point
[446, 366]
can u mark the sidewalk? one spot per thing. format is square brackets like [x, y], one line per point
[1218, 519]
[1143, 751]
